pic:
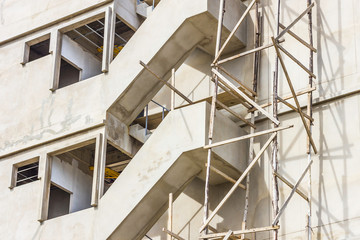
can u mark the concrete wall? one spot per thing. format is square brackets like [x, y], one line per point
[18, 18]
[70, 177]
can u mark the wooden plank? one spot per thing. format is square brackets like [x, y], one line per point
[172, 234]
[291, 194]
[228, 235]
[295, 21]
[228, 84]
[299, 39]
[216, 231]
[294, 95]
[242, 86]
[294, 108]
[287, 97]
[237, 139]
[166, 83]
[240, 99]
[235, 114]
[217, 56]
[239, 232]
[284, 180]
[154, 120]
[296, 61]
[230, 179]
[235, 186]
[243, 54]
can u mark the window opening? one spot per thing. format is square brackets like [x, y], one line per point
[123, 33]
[69, 73]
[59, 202]
[71, 171]
[39, 50]
[27, 173]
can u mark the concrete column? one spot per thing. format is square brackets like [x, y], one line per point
[96, 172]
[45, 179]
[55, 49]
[102, 164]
[107, 41]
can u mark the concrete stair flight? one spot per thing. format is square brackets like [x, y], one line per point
[166, 163]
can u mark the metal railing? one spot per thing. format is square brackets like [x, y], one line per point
[147, 114]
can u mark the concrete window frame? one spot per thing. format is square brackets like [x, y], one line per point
[57, 34]
[16, 166]
[99, 170]
[28, 44]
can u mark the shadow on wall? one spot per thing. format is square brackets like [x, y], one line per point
[330, 68]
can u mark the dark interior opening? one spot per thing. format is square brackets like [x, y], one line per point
[116, 161]
[27, 173]
[68, 74]
[59, 202]
[39, 50]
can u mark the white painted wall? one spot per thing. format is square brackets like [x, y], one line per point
[71, 178]
[72, 51]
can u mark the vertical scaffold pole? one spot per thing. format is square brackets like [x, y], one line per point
[310, 113]
[252, 130]
[212, 114]
[275, 194]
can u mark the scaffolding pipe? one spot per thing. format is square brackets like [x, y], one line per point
[252, 130]
[274, 162]
[212, 115]
[310, 113]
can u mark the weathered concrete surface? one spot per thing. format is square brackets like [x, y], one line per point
[172, 156]
[126, 89]
[18, 18]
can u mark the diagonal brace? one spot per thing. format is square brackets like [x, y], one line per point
[284, 180]
[291, 194]
[294, 108]
[296, 61]
[228, 84]
[295, 21]
[294, 95]
[235, 186]
[234, 30]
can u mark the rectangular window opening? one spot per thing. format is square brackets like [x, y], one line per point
[26, 172]
[123, 33]
[59, 202]
[69, 73]
[39, 50]
[36, 48]
[71, 180]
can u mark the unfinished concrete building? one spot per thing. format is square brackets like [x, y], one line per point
[179, 119]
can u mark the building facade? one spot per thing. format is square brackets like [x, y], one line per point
[109, 114]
